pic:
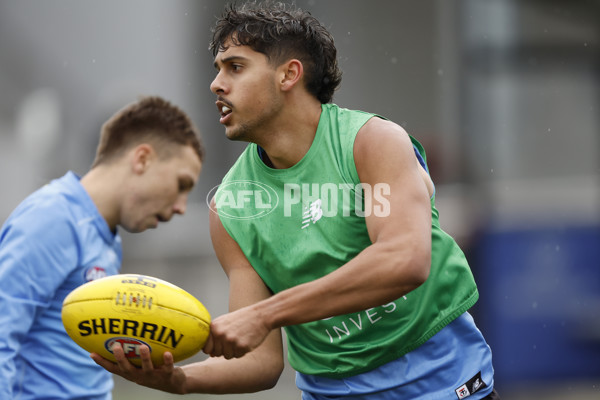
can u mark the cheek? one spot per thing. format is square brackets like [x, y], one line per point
[139, 205]
[133, 208]
[153, 191]
[160, 201]
[152, 196]
[258, 94]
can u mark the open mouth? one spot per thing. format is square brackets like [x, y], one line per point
[224, 110]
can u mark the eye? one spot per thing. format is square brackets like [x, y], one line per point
[236, 67]
[185, 185]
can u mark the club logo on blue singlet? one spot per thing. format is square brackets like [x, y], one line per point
[93, 273]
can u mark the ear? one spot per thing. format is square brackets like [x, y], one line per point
[291, 73]
[142, 156]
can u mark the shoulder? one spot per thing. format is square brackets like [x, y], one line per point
[42, 218]
[345, 118]
[379, 136]
[40, 240]
[381, 128]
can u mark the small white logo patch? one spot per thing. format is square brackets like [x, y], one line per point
[313, 213]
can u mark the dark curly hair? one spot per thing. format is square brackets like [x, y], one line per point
[281, 32]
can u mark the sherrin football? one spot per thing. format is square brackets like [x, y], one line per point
[132, 310]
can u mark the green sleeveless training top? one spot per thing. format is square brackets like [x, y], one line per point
[298, 224]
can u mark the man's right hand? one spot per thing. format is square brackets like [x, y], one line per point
[167, 377]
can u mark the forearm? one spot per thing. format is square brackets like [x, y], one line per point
[373, 278]
[254, 372]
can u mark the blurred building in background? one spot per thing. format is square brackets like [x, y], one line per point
[504, 94]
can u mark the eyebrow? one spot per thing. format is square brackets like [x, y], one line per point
[229, 59]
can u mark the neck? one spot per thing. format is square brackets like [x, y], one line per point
[94, 183]
[289, 143]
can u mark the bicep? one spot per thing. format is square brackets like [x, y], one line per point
[386, 163]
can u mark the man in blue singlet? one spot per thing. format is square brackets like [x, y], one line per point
[65, 234]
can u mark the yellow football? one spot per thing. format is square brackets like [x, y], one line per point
[133, 310]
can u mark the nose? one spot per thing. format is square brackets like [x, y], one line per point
[180, 205]
[217, 85]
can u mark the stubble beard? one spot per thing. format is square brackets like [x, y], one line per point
[255, 129]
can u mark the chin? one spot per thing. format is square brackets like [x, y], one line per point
[139, 229]
[236, 136]
[231, 134]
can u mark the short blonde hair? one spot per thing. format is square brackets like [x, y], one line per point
[151, 120]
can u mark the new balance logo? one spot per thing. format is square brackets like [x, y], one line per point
[312, 213]
[473, 385]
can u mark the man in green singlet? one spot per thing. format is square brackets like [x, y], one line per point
[325, 226]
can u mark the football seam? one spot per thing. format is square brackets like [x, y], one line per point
[155, 305]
